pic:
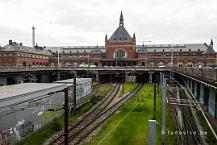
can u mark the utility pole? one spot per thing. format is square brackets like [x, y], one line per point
[88, 60]
[171, 55]
[111, 76]
[74, 91]
[58, 57]
[146, 51]
[163, 132]
[66, 115]
[154, 117]
[123, 81]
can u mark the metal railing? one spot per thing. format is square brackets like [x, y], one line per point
[29, 68]
[209, 75]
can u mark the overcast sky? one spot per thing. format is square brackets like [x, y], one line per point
[85, 22]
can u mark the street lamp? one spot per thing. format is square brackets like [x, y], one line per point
[58, 57]
[146, 51]
[171, 55]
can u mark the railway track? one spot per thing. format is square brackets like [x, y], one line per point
[190, 132]
[78, 138]
[85, 119]
[81, 129]
[193, 137]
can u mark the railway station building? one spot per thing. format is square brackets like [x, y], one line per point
[121, 49]
[16, 54]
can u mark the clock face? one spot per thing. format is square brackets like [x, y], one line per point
[120, 53]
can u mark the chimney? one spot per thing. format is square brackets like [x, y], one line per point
[10, 42]
[33, 36]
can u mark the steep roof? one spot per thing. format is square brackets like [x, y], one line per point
[210, 48]
[18, 47]
[120, 34]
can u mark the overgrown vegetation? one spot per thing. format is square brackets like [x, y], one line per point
[127, 87]
[129, 126]
[57, 124]
[210, 139]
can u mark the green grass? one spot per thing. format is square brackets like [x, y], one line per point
[100, 92]
[127, 87]
[210, 139]
[133, 129]
[57, 124]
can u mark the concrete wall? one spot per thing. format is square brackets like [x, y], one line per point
[211, 107]
[3, 81]
[201, 93]
[28, 117]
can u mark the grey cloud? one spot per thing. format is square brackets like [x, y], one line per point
[87, 22]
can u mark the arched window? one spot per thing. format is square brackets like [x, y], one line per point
[180, 64]
[190, 64]
[151, 64]
[75, 64]
[120, 53]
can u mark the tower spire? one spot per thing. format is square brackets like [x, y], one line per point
[134, 37]
[106, 38]
[211, 43]
[121, 23]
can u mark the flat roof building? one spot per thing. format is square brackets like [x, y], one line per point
[83, 90]
[24, 108]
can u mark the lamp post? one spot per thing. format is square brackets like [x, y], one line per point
[146, 51]
[163, 110]
[66, 117]
[88, 59]
[171, 55]
[171, 65]
[58, 57]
